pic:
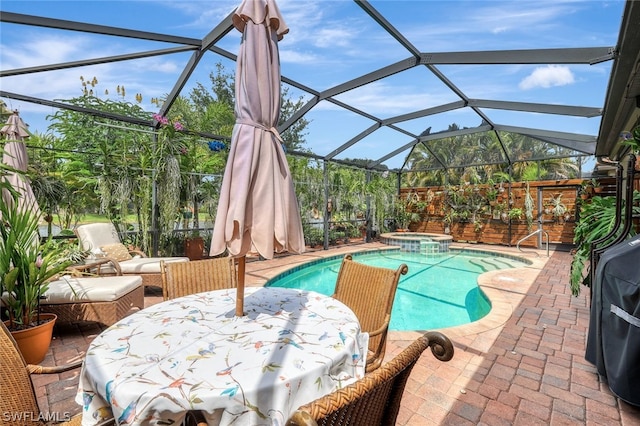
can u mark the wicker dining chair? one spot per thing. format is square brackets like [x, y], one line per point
[375, 399]
[369, 292]
[17, 396]
[184, 278]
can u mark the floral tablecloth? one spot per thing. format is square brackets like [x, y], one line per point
[193, 353]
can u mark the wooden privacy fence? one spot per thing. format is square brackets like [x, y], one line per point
[497, 214]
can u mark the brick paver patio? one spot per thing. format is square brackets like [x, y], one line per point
[522, 365]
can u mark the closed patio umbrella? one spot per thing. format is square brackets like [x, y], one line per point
[258, 209]
[15, 156]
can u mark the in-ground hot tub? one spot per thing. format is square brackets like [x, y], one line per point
[415, 242]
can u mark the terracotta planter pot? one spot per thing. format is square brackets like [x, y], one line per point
[34, 342]
[194, 248]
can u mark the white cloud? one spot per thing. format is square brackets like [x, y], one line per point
[292, 56]
[499, 30]
[386, 100]
[549, 76]
[332, 37]
[36, 51]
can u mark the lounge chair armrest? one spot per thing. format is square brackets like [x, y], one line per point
[39, 369]
[115, 264]
[86, 268]
[135, 252]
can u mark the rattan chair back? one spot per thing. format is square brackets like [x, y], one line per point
[369, 292]
[18, 401]
[375, 399]
[184, 278]
[16, 390]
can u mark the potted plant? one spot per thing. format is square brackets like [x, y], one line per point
[595, 183]
[491, 195]
[194, 246]
[498, 209]
[26, 266]
[515, 213]
[585, 190]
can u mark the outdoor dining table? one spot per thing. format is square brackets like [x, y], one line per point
[194, 353]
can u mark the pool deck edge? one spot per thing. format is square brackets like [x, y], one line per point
[504, 288]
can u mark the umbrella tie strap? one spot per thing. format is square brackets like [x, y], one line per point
[272, 130]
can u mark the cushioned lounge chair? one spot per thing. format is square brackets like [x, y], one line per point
[369, 291]
[102, 240]
[17, 395]
[102, 299]
[375, 399]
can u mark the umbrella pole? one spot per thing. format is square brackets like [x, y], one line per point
[240, 289]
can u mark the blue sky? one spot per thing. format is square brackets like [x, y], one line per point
[331, 42]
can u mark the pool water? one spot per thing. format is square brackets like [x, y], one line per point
[439, 290]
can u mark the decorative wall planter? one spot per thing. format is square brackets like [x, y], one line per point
[498, 228]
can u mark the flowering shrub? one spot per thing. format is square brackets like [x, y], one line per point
[168, 129]
[170, 139]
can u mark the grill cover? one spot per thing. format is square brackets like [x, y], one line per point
[613, 340]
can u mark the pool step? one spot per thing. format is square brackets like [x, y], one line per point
[429, 248]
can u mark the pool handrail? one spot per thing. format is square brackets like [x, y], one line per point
[537, 231]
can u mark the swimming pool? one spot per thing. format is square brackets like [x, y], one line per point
[439, 290]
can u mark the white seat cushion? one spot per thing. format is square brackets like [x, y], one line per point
[147, 265]
[94, 235]
[70, 289]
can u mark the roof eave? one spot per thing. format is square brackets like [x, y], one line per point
[622, 102]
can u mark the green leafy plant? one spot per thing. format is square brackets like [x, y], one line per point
[491, 194]
[596, 221]
[633, 140]
[585, 189]
[403, 213]
[26, 264]
[515, 213]
[465, 202]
